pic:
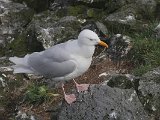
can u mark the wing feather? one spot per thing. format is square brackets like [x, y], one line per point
[53, 62]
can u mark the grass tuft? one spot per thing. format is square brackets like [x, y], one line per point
[145, 53]
[36, 94]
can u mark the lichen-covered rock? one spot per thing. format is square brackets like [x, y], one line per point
[149, 87]
[130, 15]
[104, 103]
[13, 18]
[50, 29]
[124, 19]
[120, 45]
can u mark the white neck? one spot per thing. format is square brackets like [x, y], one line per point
[82, 49]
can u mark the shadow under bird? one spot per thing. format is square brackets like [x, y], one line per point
[62, 62]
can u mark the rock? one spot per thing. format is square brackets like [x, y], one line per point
[104, 103]
[37, 5]
[120, 45]
[130, 16]
[13, 18]
[50, 29]
[149, 87]
[115, 5]
[121, 81]
[146, 8]
[122, 20]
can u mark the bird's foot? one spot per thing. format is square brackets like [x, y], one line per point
[81, 87]
[68, 98]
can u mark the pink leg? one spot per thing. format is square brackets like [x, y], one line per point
[81, 87]
[68, 98]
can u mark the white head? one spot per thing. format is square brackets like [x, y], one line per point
[90, 38]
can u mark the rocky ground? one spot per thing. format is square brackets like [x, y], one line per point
[124, 78]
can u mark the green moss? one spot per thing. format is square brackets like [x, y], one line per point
[95, 13]
[120, 82]
[18, 47]
[23, 44]
[90, 13]
[76, 10]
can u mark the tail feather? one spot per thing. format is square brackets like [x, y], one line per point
[19, 61]
[21, 65]
[21, 69]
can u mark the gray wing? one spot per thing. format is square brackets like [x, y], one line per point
[53, 62]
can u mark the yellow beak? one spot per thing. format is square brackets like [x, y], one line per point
[103, 44]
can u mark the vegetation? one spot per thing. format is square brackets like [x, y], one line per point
[145, 54]
[37, 94]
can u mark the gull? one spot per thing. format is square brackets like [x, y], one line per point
[62, 62]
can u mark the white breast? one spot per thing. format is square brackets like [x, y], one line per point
[82, 65]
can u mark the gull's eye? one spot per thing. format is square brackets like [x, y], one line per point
[91, 39]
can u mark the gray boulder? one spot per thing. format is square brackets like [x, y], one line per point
[104, 103]
[149, 91]
[50, 29]
[130, 15]
[13, 19]
[120, 45]
[124, 19]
